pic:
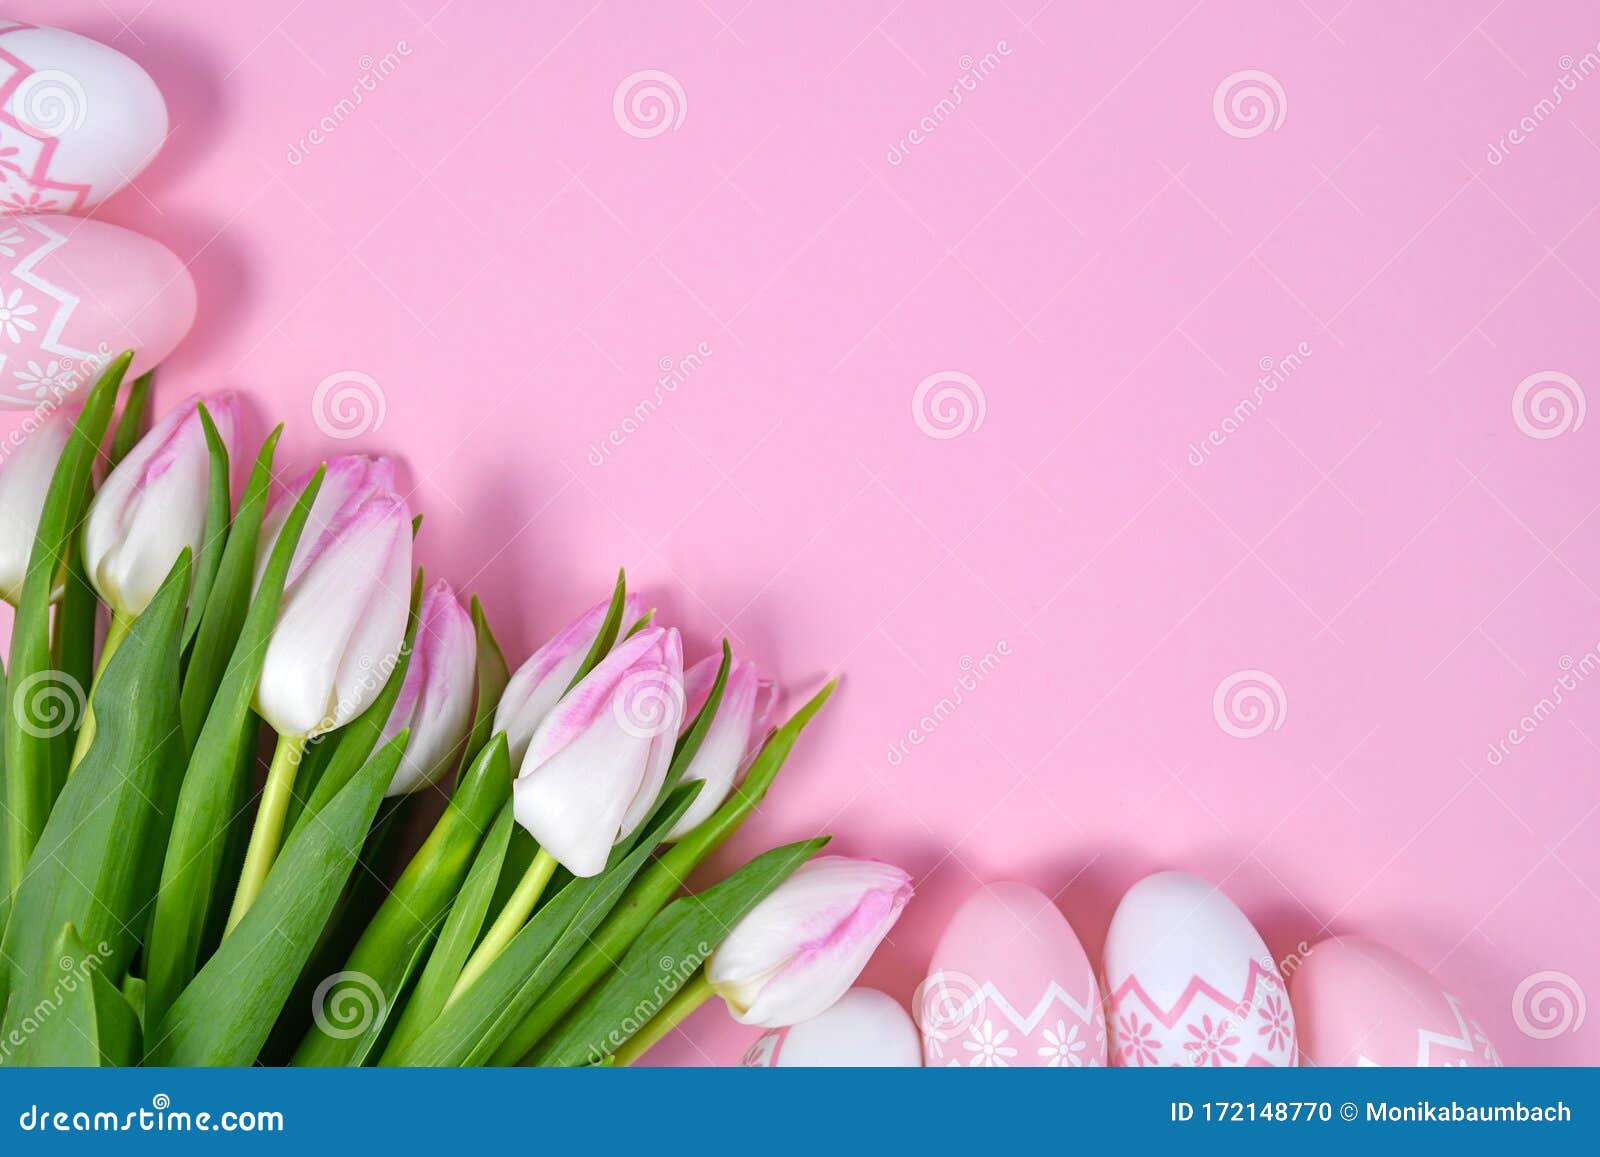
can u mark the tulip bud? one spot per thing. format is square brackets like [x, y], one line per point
[734, 735]
[435, 701]
[343, 616]
[544, 678]
[153, 505]
[25, 473]
[802, 947]
[595, 765]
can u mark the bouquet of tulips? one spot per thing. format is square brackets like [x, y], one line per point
[157, 908]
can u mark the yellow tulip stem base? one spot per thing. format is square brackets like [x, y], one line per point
[675, 1012]
[267, 834]
[121, 624]
[510, 921]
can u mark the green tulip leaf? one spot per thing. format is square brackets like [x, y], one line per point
[98, 860]
[394, 941]
[477, 1022]
[228, 599]
[131, 422]
[58, 1025]
[664, 958]
[218, 504]
[458, 937]
[226, 1013]
[216, 785]
[31, 778]
[73, 648]
[609, 627]
[493, 675]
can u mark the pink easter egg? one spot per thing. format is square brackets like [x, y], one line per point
[865, 1028]
[1191, 981]
[1009, 985]
[73, 294]
[1359, 1003]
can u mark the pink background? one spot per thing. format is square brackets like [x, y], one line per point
[1085, 241]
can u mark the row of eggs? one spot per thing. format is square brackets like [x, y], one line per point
[78, 121]
[1187, 981]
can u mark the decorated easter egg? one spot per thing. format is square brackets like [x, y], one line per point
[1191, 982]
[1009, 985]
[78, 120]
[73, 294]
[1359, 1003]
[865, 1028]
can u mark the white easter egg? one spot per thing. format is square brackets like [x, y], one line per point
[1190, 981]
[74, 293]
[865, 1028]
[78, 120]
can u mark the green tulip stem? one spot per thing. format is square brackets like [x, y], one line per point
[510, 921]
[121, 624]
[677, 1010]
[267, 833]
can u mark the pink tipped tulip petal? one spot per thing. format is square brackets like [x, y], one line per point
[344, 609]
[28, 464]
[435, 700]
[543, 679]
[153, 505]
[595, 765]
[734, 735]
[804, 945]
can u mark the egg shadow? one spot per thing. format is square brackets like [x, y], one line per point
[191, 78]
